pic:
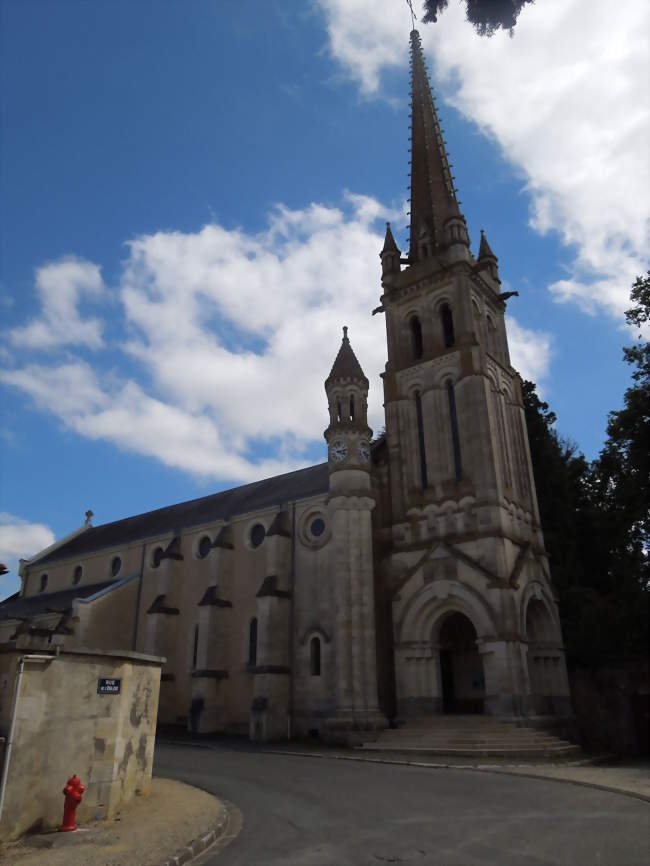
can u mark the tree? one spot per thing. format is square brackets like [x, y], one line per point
[596, 516]
[487, 16]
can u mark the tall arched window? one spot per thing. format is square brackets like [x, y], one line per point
[416, 337]
[351, 407]
[451, 396]
[195, 647]
[338, 410]
[252, 642]
[491, 336]
[314, 656]
[423, 455]
[476, 319]
[447, 321]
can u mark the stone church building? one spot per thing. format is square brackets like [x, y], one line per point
[405, 577]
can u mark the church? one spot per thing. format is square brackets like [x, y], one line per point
[404, 578]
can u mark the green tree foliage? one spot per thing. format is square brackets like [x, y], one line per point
[487, 16]
[596, 516]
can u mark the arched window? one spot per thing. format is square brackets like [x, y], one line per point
[195, 648]
[416, 337]
[205, 545]
[423, 455]
[447, 321]
[338, 410]
[314, 656]
[76, 577]
[491, 337]
[252, 642]
[451, 396]
[476, 318]
[43, 582]
[351, 407]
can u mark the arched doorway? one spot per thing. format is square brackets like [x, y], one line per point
[541, 662]
[461, 667]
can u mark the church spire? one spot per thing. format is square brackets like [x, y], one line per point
[436, 220]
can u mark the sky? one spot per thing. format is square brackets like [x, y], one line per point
[194, 197]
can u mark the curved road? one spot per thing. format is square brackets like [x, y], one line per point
[324, 812]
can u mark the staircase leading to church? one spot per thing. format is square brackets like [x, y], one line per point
[471, 736]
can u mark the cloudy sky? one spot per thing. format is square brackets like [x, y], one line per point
[193, 204]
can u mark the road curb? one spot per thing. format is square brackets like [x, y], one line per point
[435, 766]
[188, 853]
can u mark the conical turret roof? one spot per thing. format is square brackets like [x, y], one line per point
[484, 250]
[433, 198]
[389, 242]
[346, 365]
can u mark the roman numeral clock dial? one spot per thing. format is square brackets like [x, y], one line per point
[338, 450]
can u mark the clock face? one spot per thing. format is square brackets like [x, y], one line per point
[338, 450]
[364, 451]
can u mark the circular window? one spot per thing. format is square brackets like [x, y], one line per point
[116, 565]
[76, 577]
[43, 582]
[317, 527]
[156, 559]
[258, 534]
[205, 545]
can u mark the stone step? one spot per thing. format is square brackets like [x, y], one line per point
[473, 741]
[467, 736]
[503, 751]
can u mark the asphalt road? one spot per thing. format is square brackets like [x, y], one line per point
[324, 812]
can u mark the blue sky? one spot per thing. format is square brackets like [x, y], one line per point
[193, 198]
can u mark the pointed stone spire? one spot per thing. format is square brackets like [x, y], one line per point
[487, 260]
[390, 256]
[389, 242]
[433, 198]
[484, 251]
[346, 365]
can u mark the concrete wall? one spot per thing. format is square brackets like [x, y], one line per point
[63, 727]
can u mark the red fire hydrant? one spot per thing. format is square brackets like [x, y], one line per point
[73, 792]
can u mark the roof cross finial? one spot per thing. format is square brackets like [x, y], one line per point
[414, 17]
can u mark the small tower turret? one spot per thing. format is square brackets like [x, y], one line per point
[389, 256]
[350, 504]
[487, 260]
[348, 434]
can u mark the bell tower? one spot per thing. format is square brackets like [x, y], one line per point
[350, 504]
[461, 522]
[454, 416]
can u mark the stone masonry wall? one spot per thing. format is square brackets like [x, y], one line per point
[63, 726]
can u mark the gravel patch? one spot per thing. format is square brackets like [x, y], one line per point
[148, 832]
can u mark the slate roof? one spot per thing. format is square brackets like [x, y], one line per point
[19, 607]
[219, 506]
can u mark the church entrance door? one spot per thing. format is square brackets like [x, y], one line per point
[461, 667]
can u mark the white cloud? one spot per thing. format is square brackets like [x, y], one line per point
[61, 287]
[235, 334]
[20, 539]
[530, 351]
[567, 100]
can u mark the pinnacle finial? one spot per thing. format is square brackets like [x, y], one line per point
[89, 517]
[345, 332]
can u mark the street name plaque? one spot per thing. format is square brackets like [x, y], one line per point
[109, 686]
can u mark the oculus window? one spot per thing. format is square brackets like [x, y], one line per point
[258, 534]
